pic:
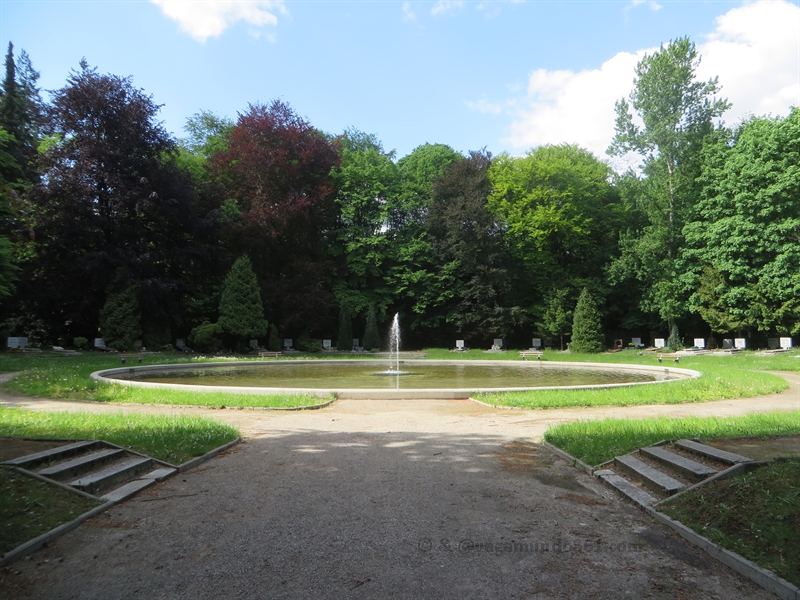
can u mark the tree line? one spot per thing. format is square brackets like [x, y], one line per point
[110, 227]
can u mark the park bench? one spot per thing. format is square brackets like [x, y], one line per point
[669, 355]
[268, 354]
[525, 354]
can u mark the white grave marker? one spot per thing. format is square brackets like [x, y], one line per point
[287, 343]
[740, 343]
[326, 344]
[99, 343]
[460, 344]
[700, 342]
[537, 342]
[498, 343]
[659, 342]
[17, 342]
[786, 343]
[637, 342]
[355, 342]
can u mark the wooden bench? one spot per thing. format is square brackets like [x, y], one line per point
[525, 354]
[674, 356]
[267, 354]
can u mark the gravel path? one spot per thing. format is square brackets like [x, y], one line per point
[373, 499]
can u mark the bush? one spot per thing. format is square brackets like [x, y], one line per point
[241, 312]
[674, 341]
[305, 344]
[120, 318]
[80, 342]
[587, 332]
[206, 337]
[274, 342]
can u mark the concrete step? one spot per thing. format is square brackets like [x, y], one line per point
[626, 488]
[711, 452]
[690, 469]
[31, 461]
[107, 478]
[159, 474]
[649, 477]
[82, 464]
[127, 490]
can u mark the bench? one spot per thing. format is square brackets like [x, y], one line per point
[525, 354]
[267, 354]
[673, 355]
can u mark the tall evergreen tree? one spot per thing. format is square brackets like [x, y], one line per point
[344, 341]
[372, 339]
[241, 313]
[120, 317]
[587, 331]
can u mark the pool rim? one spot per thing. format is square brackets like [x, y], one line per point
[107, 376]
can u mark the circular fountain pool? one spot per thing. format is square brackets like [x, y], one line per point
[368, 378]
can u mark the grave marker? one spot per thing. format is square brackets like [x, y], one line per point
[700, 342]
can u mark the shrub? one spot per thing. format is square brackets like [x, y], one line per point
[587, 332]
[206, 337]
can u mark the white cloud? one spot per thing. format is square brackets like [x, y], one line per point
[408, 12]
[651, 3]
[754, 49]
[203, 19]
[445, 6]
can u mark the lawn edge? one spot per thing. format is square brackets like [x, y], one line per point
[763, 577]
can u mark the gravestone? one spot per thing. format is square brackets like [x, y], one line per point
[536, 343]
[254, 343]
[17, 342]
[137, 344]
[660, 343]
[180, 343]
[700, 342]
[786, 343]
[498, 343]
[727, 344]
[99, 343]
[355, 342]
[740, 343]
[326, 344]
[460, 344]
[287, 344]
[773, 343]
[637, 342]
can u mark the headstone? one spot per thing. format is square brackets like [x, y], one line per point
[99, 343]
[137, 344]
[180, 343]
[537, 343]
[786, 343]
[660, 343]
[700, 342]
[498, 343]
[326, 344]
[773, 343]
[741, 343]
[460, 344]
[637, 342]
[254, 343]
[355, 342]
[17, 342]
[287, 343]
[727, 344]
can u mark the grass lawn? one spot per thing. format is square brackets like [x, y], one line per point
[740, 376]
[29, 508]
[756, 515]
[174, 439]
[595, 442]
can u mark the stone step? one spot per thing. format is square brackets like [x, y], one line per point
[103, 480]
[649, 477]
[32, 461]
[127, 490]
[684, 466]
[626, 488]
[159, 474]
[711, 452]
[82, 464]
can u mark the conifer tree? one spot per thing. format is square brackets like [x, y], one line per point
[241, 313]
[372, 339]
[120, 317]
[587, 333]
[274, 342]
[344, 342]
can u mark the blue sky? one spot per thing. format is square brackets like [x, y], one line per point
[503, 75]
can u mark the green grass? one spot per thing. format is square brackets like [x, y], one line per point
[595, 442]
[756, 515]
[174, 439]
[740, 376]
[30, 508]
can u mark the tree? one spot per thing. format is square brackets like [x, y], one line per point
[241, 313]
[678, 113]
[274, 342]
[276, 174]
[372, 339]
[587, 332]
[120, 317]
[742, 252]
[206, 337]
[111, 196]
[557, 320]
[674, 340]
[20, 110]
[344, 341]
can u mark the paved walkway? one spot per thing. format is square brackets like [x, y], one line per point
[370, 499]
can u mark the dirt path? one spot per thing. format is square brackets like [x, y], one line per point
[369, 499]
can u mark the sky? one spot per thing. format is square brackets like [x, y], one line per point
[505, 75]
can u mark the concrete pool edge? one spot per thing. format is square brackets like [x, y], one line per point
[107, 376]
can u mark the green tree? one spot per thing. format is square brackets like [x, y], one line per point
[206, 337]
[372, 339]
[556, 320]
[120, 317]
[587, 329]
[241, 313]
[678, 116]
[344, 341]
[274, 342]
[674, 339]
[742, 251]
